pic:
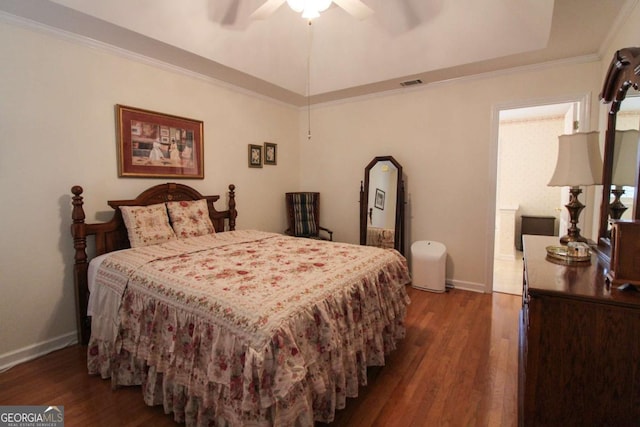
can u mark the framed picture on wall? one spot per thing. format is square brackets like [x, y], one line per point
[270, 153]
[379, 201]
[255, 156]
[157, 145]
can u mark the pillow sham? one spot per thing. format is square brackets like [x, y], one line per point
[190, 218]
[147, 225]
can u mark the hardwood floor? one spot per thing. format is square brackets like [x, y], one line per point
[456, 367]
[507, 275]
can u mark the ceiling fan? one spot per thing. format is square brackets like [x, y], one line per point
[311, 8]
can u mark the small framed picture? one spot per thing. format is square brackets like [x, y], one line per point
[255, 156]
[379, 202]
[270, 153]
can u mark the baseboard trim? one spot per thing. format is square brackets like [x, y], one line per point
[16, 357]
[466, 286]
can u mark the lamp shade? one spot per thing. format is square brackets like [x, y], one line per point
[625, 157]
[579, 160]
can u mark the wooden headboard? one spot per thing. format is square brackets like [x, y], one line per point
[112, 235]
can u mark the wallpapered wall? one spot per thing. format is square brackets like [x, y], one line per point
[527, 155]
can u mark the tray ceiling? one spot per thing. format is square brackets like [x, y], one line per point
[430, 40]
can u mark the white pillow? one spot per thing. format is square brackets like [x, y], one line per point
[147, 225]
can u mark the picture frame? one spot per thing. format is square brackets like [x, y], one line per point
[270, 153]
[158, 145]
[255, 156]
[379, 201]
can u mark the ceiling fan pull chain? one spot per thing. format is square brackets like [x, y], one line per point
[309, 84]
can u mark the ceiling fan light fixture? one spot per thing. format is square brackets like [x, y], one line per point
[310, 13]
[322, 5]
[310, 8]
[297, 5]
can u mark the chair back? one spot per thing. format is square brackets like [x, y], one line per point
[303, 209]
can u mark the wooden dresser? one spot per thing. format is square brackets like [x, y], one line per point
[579, 355]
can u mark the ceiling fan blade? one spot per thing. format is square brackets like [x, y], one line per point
[231, 14]
[267, 9]
[410, 15]
[355, 8]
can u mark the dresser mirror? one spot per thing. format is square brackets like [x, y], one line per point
[382, 204]
[625, 160]
[620, 90]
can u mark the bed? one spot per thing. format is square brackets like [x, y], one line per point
[231, 327]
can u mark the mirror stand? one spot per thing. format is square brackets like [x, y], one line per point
[382, 204]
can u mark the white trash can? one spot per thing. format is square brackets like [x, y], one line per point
[428, 265]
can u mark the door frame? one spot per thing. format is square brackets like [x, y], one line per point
[584, 115]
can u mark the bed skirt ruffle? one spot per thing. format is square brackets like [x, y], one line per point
[205, 376]
[316, 398]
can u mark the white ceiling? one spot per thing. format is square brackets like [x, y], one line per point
[431, 40]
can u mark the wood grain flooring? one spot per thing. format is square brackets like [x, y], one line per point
[456, 367]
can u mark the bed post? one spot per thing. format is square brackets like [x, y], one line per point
[78, 231]
[232, 207]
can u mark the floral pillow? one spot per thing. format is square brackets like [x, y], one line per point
[147, 225]
[190, 218]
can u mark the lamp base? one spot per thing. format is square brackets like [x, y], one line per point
[564, 240]
[575, 208]
[617, 208]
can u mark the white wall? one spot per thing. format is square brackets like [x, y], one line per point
[57, 100]
[56, 116]
[441, 135]
[625, 34]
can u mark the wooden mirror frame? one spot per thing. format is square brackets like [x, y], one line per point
[398, 241]
[623, 73]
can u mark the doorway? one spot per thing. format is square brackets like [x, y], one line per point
[527, 147]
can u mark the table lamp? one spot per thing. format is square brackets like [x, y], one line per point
[579, 163]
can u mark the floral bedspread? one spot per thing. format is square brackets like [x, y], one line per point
[247, 327]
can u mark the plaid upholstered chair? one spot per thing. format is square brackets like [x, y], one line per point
[303, 216]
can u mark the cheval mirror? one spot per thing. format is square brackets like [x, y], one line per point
[382, 204]
[622, 81]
